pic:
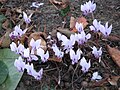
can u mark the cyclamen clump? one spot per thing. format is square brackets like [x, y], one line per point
[68, 45]
[17, 33]
[98, 27]
[88, 7]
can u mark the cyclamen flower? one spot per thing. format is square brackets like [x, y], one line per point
[31, 71]
[44, 56]
[29, 56]
[85, 65]
[75, 56]
[26, 18]
[96, 53]
[19, 64]
[36, 4]
[88, 7]
[17, 50]
[67, 43]
[95, 76]
[17, 33]
[82, 37]
[35, 45]
[106, 30]
[96, 26]
[58, 52]
[79, 27]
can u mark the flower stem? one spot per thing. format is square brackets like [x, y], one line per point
[92, 16]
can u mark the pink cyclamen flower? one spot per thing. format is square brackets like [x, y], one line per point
[75, 56]
[85, 65]
[58, 52]
[88, 7]
[19, 64]
[96, 53]
[44, 56]
[96, 26]
[26, 18]
[95, 76]
[79, 27]
[106, 30]
[81, 38]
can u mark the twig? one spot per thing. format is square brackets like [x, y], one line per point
[92, 16]
[50, 69]
[74, 72]
[54, 5]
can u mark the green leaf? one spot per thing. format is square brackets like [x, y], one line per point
[64, 12]
[3, 72]
[8, 57]
[2, 18]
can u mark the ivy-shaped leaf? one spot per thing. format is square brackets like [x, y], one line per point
[8, 57]
[3, 72]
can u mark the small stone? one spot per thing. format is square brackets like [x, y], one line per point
[84, 83]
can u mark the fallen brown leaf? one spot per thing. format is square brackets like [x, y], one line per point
[56, 2]
[55, 59]
[5, 40]
[65, 3]
[36, 36]
[79, 20]
[3, 1]
[72, 22]
[113, 80]
[115, 54]
[6, 24]
[65, 31]
[113, 38]
[82, 20]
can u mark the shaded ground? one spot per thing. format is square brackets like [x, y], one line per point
[107, 10]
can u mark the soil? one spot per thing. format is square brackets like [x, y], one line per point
[49, 19]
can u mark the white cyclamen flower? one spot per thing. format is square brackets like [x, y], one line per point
[88, 7]
[26, 18]
[44, 56]
[36, 4]
[79, 27]
[96, 53]
[75, 56]
[95, 76]
[58, 52]
[35, 44]
[85, 65]
[17, 33]
[31, 71]
[96, 26]
[17, 50]
[106, 30]
[19, 64]
[27, 54]
[82, 37]
[67, 43]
